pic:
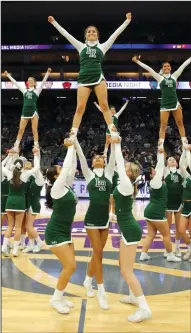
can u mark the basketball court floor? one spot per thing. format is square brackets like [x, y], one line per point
[28, 282]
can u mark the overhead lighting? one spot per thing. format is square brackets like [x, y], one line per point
[141, 97]
[185, 97]
[159, 97]
[61, 97]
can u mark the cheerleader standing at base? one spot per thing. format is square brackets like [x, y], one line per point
[185, 220]
[91, 75]
[154, 213]
[16, 203]
[131, 233]
[115, 117]
[96, 222]
[29, 110]
[34, 205]
[169, 101]
[173, 180]
[58, 234]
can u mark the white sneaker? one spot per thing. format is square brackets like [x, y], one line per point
[67, 303]
[144, 256]
[165, 254]
[89, 289]
[102, 300]
[58, 305]
[28, 249]
[172, 257]
[140, 315]
[187, 255]
[15, 252]
[128, 300]
[178, 252]
[5, 251]
[22, 246]
[38, 247]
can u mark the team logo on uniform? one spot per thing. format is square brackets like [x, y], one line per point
[91, 52]
[169, 83]
[101, 184]
[174, 178]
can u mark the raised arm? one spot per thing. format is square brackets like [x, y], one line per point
[88, 174]
[15, 82]
[154, 74]
[72, 170]
[179, 71]
[121, 110]
[6, 173]
[7, 159]
[106, 46]
[61, 182]
[156, 182]
[97, 106]
[183, 165]
[76, 43]
[125, 187]
[109, 170]
[40, 87]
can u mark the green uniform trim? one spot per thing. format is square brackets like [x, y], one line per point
[155, 210]
[169, 98]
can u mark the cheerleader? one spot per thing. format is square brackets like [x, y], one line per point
[115, 181]
[185, 220]
[154, 213]
[96, 222]
[173, 180]
[16, 204]
[29, 110]
[131, 233]
[91, 75]
[34, 206]
[115, 117]
[58, 234]
[169, 102]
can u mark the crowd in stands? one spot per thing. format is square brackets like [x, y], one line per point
[138, 126]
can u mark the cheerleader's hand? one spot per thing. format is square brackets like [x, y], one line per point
[161, 150]
[68, 142]
[115, 139]
[5, 73]
[129, 16]
[136, 58]
[51, 19]
[189, 147]
[49, 70]
[36, 150]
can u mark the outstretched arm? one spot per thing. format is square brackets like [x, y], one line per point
[76, 43]
[58, 188]
[156, 182]
[72, 170]
[154, 74]
[39, 89]
[125, 187]
[121, 110]
[7, 160]
[179, 71]
[88, 174]
[15, 82]
[109, 171]
[106, 46]
[183, 164]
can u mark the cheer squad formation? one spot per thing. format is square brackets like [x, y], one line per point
[109, 183]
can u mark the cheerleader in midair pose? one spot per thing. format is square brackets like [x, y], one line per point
[29, 110]
[16, 203]
[154, 213]
[185, 221]
[91, 75]
[169, 101]
[115, 117]
[131, 233]
[58, 235]
[99, 183]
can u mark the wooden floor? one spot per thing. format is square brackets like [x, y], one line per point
[29, 281]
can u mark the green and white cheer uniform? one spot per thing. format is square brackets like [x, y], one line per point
[99, 184]
[155, 210]
[185, 161]
[59, 228]
[167, 84]
[91, 55]
[173, 180]
[131, 231]
[4, 183]
[30, 95]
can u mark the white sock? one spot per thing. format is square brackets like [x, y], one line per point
[75, 131]
[177, 243]
[144, 253]
[161, 142]
[183, 139]
[36, 144]
[101, 288]
[5, 242]
[22, 239]
[17, 143]
[142, 302]
[169, 253]
[57, 295]
[16, 244]
[131, 294]
[88, 279]
[110, 127]
[38, 240]
[31, 242]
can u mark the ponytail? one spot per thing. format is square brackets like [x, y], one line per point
[18, 165]
[50, 175]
